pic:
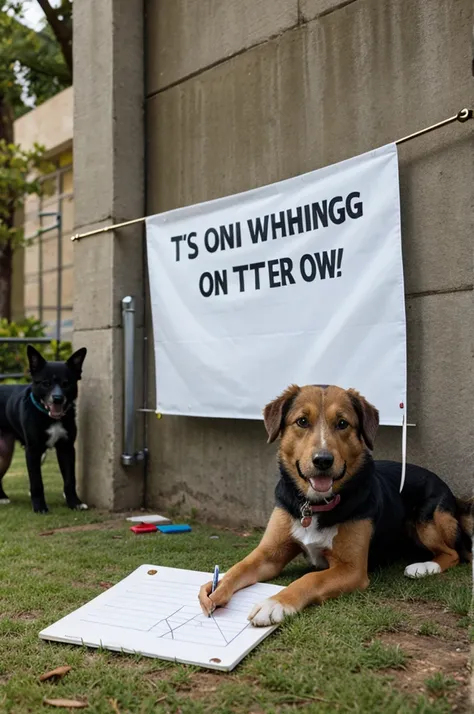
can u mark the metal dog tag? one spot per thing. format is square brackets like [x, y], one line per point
[306, 515]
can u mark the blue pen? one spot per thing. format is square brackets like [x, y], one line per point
[215, 581]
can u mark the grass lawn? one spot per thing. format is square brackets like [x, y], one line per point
[402, 646]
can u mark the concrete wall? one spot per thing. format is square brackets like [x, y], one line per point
[243, 93]
[240, 94]
[109, 175]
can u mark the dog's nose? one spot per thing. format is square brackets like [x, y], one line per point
[58, 399]
[323, 460]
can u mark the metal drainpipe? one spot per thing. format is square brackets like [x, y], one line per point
[129, 456]
[144, 263]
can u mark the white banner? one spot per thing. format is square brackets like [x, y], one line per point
[298, 282]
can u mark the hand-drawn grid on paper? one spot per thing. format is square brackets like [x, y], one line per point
[155, 612]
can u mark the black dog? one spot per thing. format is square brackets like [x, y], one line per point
[41, 415]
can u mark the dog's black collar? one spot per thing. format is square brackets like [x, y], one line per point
[39, 406]
[355, 494]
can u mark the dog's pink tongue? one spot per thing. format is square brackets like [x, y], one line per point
[321, 483]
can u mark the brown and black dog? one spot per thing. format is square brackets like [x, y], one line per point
[341, 508]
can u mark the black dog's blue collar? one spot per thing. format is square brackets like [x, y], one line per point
[38, 405]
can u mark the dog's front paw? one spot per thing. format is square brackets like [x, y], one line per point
[77, 505]
[40, 507]
[74, 503]
[269, 612]
[421, 570]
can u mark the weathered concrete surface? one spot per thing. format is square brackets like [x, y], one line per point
[185, 36]
[95, 446]
[102, 481]
[309, 9]
[108, 110]
[352, 79]
[225, 469]
[271, 113]
[108, 267]
[50, 124]
[94, 306]
[253, 97]
[227, 472]
[109, 178]
[440, 390]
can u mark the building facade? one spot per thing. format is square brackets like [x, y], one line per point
[44, 275]
[186, 101]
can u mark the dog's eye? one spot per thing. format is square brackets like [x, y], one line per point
[46, 383]
[342, 424]
[302, 422]
[65, 383]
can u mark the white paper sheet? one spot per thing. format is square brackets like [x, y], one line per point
[155, 612]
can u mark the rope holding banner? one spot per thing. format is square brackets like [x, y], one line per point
[462, 116]
[404, 445]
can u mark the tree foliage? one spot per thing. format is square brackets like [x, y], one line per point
[33, 67]
[19, 177]
[13, 358]
[59, 19]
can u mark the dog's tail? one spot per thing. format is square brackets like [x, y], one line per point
[466, 522]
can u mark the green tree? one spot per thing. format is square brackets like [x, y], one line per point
[33, 67]
[59, 19]
[19, 177]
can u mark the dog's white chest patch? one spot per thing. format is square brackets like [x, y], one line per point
[55, 432]
[313, 540]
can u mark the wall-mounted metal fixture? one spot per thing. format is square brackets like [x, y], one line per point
[129, 456]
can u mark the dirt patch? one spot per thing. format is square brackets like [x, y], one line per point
[202, 684]
[103, 526]
[420, 613]
[25, 616]
[446, 652]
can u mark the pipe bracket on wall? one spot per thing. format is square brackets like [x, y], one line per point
[130, 456]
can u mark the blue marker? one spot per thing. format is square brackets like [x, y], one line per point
[215, 581]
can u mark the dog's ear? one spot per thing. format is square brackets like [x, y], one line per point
[36, 361]
[367, 415]
[275, 412]
[76, 360]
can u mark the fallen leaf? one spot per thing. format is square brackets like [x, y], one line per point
[66, 703]
[105, 584]
[55, 673]
[114, 705]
